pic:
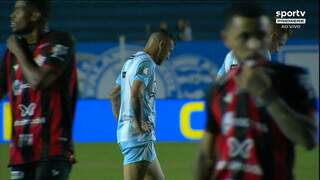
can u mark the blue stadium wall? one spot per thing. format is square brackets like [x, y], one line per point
[182, 84]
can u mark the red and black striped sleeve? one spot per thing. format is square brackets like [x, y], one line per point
[59, 53]
[3, 77]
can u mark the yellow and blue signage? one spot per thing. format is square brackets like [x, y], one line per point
[177, 120]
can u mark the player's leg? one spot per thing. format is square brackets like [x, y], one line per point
[53, 170]
[154, 171]
[135, 171]
[137, 159]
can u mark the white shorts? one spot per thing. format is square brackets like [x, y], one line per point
[142, 152]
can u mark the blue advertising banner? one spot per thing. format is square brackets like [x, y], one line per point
[177, 120]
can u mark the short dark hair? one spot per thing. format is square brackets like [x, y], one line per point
[43, 6]
[250, 10]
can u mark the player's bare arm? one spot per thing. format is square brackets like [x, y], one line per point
[299, 128]
[115, 100]
[137, 92]
[205, 157]
[39, 78]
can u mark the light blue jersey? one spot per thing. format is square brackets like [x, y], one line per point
[139, 67]
[231, 60]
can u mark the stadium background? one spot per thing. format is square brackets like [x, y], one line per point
[107, 32]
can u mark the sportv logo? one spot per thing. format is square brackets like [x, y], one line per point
[295, 13]
[291, 19]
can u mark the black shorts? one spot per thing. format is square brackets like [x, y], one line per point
[46, 170]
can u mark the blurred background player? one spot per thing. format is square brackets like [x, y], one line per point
[253, 121]
[133, 100]
[39, 74]
[184, 30]
[279, 36]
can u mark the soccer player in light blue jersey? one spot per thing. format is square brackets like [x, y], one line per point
[279, 36]
[133, 104]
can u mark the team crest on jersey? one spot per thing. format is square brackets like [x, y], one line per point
[16, 67]
[146, 71]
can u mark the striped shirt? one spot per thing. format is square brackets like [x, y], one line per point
[249, 143]
[42, 119]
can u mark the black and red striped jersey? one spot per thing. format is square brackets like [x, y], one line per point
[249, 145]
[42, 119]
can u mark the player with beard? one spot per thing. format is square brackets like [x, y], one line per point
[38, 73]
[259, 111]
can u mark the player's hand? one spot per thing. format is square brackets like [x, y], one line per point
[13, 45]
[253, 80]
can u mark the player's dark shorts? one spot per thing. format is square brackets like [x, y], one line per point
[46, 170]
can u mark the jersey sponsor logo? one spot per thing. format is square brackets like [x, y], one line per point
[239, 166]
[24, 122]
[229, 121]
[58, 51]
[17, 175]
[18, 87]
[241, 149]
[27, 110]
[25, 140]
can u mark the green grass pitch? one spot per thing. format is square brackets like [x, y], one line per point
[104, 161]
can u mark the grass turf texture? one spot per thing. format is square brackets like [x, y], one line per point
[104, 161]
